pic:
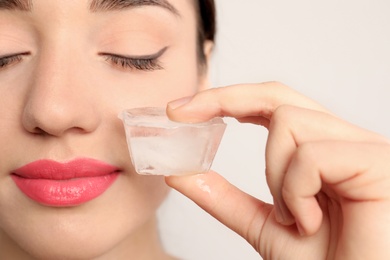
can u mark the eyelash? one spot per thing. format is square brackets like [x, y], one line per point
[144, 64]
[147, 63]
[11, 60]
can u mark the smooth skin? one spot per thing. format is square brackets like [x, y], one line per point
[63, 82]
[330, 180]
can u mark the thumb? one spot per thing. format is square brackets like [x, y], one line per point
[234, 208]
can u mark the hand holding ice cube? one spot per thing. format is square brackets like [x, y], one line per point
[329, 179]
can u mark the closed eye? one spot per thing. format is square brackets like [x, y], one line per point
[132, 63]
[9, 60]
[143, 63]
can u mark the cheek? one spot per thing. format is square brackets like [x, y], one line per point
[12, 97]
[146, 192]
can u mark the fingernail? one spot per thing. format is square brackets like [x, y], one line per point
[179, 102]
[278, 213]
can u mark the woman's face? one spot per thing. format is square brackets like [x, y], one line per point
[67, 68]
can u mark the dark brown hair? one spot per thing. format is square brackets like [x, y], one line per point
[206, 25]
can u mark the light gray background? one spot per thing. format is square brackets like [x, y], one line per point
[336, 52]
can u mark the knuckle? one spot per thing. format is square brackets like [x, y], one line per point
[306, 156]
[283, 114]
[306, 153]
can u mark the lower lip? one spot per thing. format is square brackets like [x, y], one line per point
[65, 193]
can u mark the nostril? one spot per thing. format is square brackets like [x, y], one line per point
[53, 132]
[38, 131]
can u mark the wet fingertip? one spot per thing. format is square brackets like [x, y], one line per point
[181, 111]
[174, 181]
[169, 180]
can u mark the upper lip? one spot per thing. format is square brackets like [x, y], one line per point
[54, 170]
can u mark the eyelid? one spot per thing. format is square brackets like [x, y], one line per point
[138, 57]
[11, 59]
[140, 62]
[7, 56]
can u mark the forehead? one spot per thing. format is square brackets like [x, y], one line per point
[96, 5]
[93, 16]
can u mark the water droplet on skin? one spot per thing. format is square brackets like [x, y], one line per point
[203, 186]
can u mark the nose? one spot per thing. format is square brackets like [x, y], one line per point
[59, 99]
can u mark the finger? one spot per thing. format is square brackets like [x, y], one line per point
[238, 101]
[291, 127]
[239, 211]
[353, 170]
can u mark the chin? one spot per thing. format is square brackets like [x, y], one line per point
[83, 252]
[67, 240]
[118, 219]
[76, 240]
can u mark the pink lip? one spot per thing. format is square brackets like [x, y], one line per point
[64, 184]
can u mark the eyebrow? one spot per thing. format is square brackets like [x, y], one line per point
[113, 5]
[21, 5]
[96, 5]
